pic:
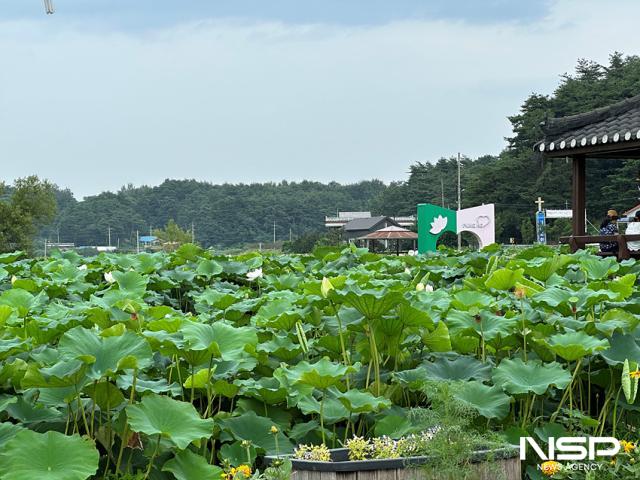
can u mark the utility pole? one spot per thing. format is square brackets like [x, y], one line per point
[109, 233]
[45, 247]
[137, 241]
[459, 201]
[442, 190]
[289, 233]
[274, 232]
[58, 232]
[193, 234]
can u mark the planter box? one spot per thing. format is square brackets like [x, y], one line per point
[500, 464]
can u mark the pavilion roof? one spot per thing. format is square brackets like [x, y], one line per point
[391, 233]
[610, 131]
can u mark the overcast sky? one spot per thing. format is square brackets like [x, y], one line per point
[109, 92]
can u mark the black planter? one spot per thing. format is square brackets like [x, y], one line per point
[486, 463]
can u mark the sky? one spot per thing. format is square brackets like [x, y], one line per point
[106, 93]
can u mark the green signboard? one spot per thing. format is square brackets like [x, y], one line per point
[433, 221]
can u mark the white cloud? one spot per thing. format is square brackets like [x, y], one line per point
[228, 101]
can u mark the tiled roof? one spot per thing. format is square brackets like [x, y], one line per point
[366, 223]
[617, 123]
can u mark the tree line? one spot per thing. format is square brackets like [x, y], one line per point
[229, 215]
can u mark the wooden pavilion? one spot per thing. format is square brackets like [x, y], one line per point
[391, 232]
[611, 132]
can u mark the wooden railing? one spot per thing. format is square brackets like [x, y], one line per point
[579, 242]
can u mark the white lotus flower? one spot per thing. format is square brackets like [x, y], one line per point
[439, 224]
[109, 277]
[420, 287]
[82, 267]
[254, 274]
[428, 288]
[407, 271]
[13, 279]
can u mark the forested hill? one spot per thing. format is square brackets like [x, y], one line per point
[517, 176]
[226, 215]
[222, 215]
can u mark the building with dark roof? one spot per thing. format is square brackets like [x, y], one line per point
[359, 227]
[611, 132]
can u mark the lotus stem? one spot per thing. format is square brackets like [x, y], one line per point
[615, 413]
[567, 390]
[153, 457]
[322, 418]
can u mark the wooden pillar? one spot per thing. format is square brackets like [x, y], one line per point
[578, 194]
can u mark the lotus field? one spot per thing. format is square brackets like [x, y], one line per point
[194, 365]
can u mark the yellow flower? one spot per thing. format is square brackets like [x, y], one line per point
[635, 374]
[520, 292]
[245, 470]
[550, 468]
[627, 446]
[274, 429]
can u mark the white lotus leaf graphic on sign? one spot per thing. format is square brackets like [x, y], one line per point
[439, 224]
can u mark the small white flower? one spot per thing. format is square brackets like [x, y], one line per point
[254, 274]
[109, 277]
[420, 287]
[407, 271]
[82, 267]
[428, 288]
[13, 279]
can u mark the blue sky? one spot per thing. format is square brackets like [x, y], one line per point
[105, 93]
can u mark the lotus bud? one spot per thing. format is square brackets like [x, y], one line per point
[326, 287]
[109, 277]
[420, 287]
[13, 279]
[274, 429]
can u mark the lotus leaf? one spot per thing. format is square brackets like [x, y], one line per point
[47, 456]
[490, 402]
[177, 421]
[187, 465]
[461, 367]
[574, 345]
[518, 377]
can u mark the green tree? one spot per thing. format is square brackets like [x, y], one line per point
[25, 207]
[172, 236]
[527, 231]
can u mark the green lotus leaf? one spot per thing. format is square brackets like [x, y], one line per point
[465, 299]
[201, 379]
[6, 400]
[414, 317]
[518, 377]
[231, 341]
[372, 304]
[504, 279]
[27, 412]
[333, 409]
[144, 384]
[485, 324]
[106, 395]
[177, 421]
[236, 454]
[280, 346]
[64, 373]
[553, 296]
[106, 352]
[490, 402]
[462, 367]
[438, 340]
[597, 268]
[266, 389]
[47, 456]
[131, 283]
[257, 430]
[357, 401]
[574, 345]
[215, 298]
[623, 347]
[7, 432]
[18, 299]
[186, 465]
[617, 319]
[322, 374]
[542, 270]
[208, 268]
